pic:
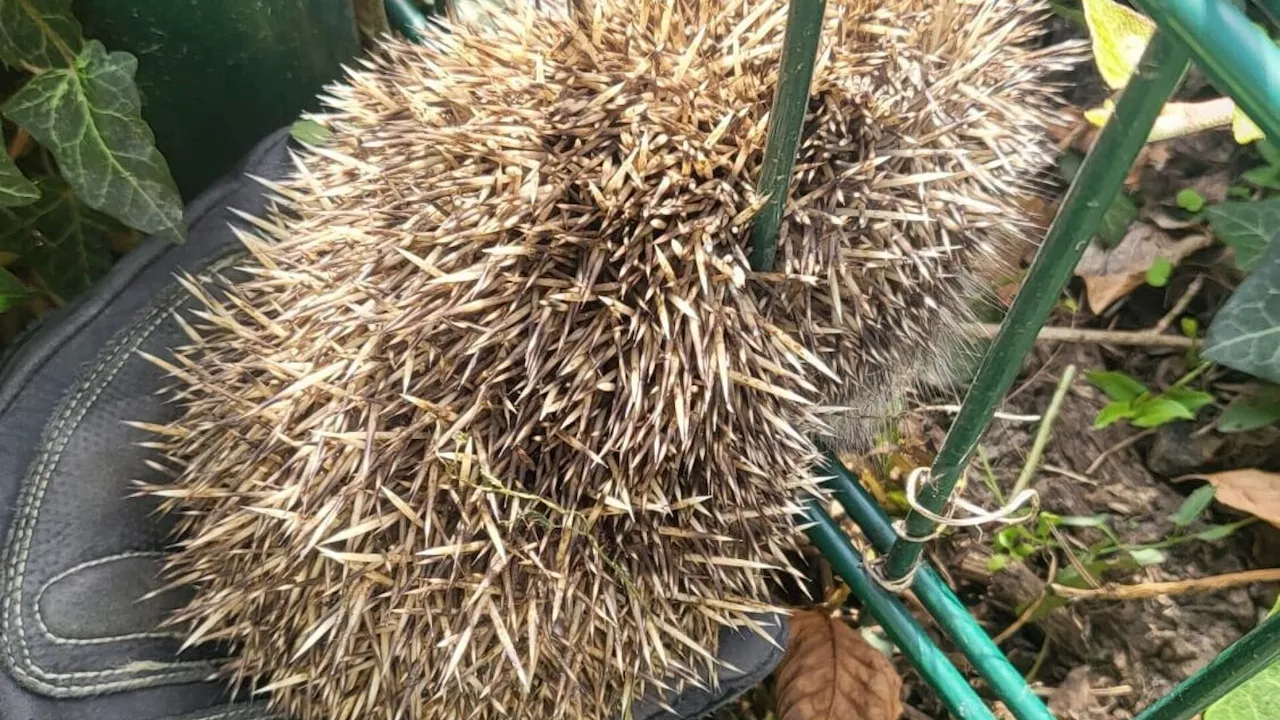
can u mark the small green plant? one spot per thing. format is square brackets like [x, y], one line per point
[80, 175]
[1133, 401]
[1190, 200]
[1018, 542]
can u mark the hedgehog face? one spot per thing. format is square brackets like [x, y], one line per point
[499, 422]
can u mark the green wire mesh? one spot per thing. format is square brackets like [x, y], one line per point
[1243, 63]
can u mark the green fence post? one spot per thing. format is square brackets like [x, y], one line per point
[406, 18]
[1099, 179]
[945, 608]
[934, 667]
[1242, 660]
[786, 122]
[1233, 52]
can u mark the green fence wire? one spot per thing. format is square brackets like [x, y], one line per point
[1242, 62]
[1099, 179]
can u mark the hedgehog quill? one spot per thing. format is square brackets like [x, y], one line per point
[494, 419]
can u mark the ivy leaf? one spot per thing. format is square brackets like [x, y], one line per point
[1247, 413]
[1245, 334]
[1160, 410]
[1245, 227]
[1117, 385]
[1119, 37]
[90, 117]
[12, 290]
[1263, 176]
[43, 33]
[15, 190]
[58, 238]
[1257, 698]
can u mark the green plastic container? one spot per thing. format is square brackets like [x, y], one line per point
[218, 75]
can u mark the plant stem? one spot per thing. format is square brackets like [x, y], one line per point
[1145, 591]
[1042, 434]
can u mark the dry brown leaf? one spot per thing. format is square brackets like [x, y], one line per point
[831, 673]
[1253, 491]
[1111, 274]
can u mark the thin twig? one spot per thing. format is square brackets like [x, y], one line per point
[1071, 557]
[1097, 462]
[1042, 434]
[1026, 615]
[1143, 338]
[1059, 470]
[1143, 591]
[1187, 296]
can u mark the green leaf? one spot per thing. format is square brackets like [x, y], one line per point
[1023, 550]
[997, 562]
[1192, 400]
[310, 132]
[1112, 413]
[1007, 537]
[42, 33]
[1218, 532]
[1245, 335]
[1147, 556]
[59, 239]
[1117, 385]
[1257, 698]
[1116, 220]
[1246, 227]
[1159, 272]
[1190, 327]
[1195, 504]
[90, 117]
[1247, 413]
[1266, 176]
[1269, 151]
[1159, 411]
[1190, 200]
[12, 290]
[15, 189]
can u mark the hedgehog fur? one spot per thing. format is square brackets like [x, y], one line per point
[494, 419]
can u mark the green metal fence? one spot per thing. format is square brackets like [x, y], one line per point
[1243, 63]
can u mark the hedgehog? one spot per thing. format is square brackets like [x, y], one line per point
[495, 419]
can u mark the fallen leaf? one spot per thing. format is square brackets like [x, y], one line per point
[1112, 274]
[831, 673]
[1251, 490]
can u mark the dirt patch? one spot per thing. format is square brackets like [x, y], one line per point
[1132, 652]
